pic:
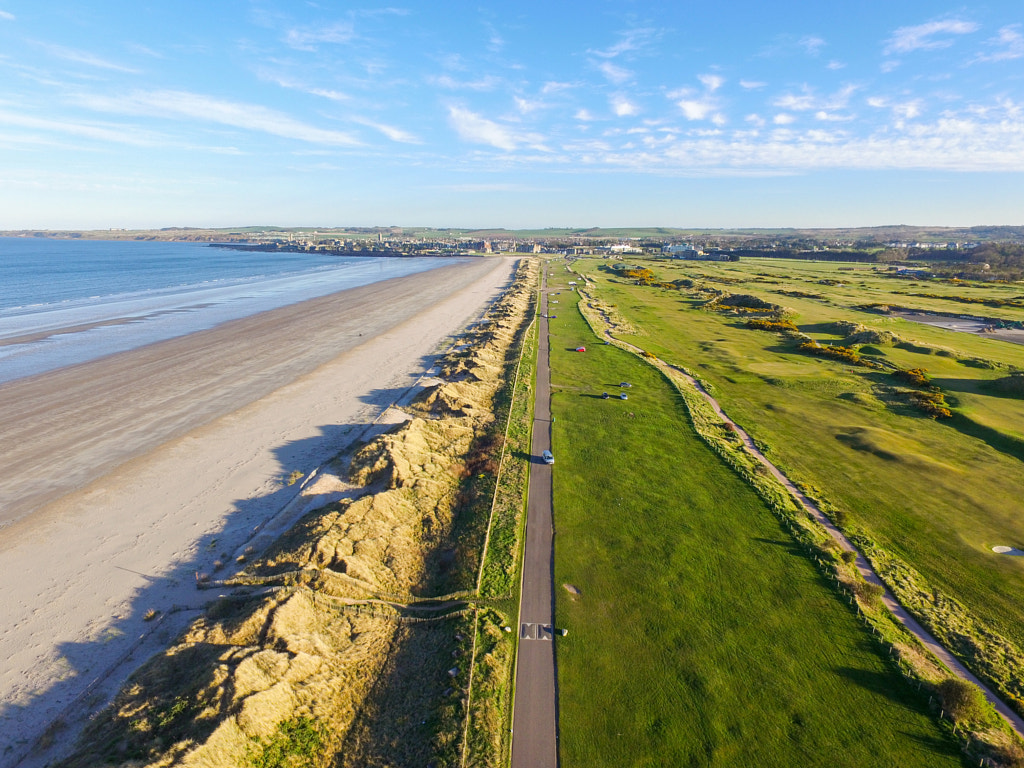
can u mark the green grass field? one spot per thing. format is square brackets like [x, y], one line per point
[701, 635]
[936, 494]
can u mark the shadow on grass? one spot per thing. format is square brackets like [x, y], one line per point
[881, 683]
[996, 440]
[415, 725]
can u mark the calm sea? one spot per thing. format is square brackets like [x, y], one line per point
[69, 301]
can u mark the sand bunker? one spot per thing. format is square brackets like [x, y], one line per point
[1003, 550]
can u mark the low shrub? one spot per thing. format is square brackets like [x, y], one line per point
[780, 326]
[916, 377]
[843, 354]
[931, 403]
[869, 592]
[964, 702]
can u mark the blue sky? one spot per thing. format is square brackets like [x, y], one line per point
[147, 113]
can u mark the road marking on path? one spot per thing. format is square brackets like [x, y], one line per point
[536, 632]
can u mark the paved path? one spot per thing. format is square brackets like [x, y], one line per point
[534, 719]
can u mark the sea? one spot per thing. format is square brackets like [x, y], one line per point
[64, 302]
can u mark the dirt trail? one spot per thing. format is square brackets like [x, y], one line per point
[891, 603]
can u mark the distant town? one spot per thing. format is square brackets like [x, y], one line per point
[991, 252]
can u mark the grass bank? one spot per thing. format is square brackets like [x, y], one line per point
[699, 634]
[926, 499]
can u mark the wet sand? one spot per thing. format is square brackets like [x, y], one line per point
[124, 476]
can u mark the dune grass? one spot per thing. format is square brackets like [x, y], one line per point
[700, 635]
[937, 495]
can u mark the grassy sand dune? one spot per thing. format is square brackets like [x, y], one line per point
[332, 647]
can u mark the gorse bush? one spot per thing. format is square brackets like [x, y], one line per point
[843, 354]
[916, 377]
[780, 326]
[931, 403]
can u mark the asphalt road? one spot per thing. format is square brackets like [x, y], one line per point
[535, 716]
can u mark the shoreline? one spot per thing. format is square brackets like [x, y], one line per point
[84, 569]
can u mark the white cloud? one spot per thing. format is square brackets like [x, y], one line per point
[553, 86]
[485, 83]
[478, 129]
[752, 85]
[831, 117]
[295, 85]
[877, 102]
[808, 100]
[622, 106]
[711, 82]
[889, 66]
[836, 65]
[812, 44]
[117, 134]
[526, 106]
[925, 36]
[6, 16]
[183, 104]
[799, 103]
[696, 109]
[583, 114]
[614, 73]
[84, 57]
[755, 119]
[907, 110]
[1009, 44]
[631, 40]
[783, 119]
[395, 134]
[306, 39]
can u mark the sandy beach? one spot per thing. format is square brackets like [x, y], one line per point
[127, 475]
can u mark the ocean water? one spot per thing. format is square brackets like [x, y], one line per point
[64, 302]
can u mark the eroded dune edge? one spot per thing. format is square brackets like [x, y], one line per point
[345, 643]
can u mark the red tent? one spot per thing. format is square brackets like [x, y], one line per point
[581, 349]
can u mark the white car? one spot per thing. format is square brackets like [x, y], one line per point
[548, 457]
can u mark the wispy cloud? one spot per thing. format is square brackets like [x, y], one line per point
[297, 85]
[201, 108]
[307, 38]
[783, 119]
[630, 40]
[614, 73]
[711, 82]
[480, 130]
[808, 99]
[812, 44]
[752, 85]
[526, 106]
[109, 132]
[553, 86]
[84, 57]
[1007, 45]
[929, 36]
[836, 65]
[495, 42]
[6, 16]
[485, 83]
[622, 106]
[393, 133]
[584, 115]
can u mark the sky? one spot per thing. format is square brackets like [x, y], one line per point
[139, 113]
